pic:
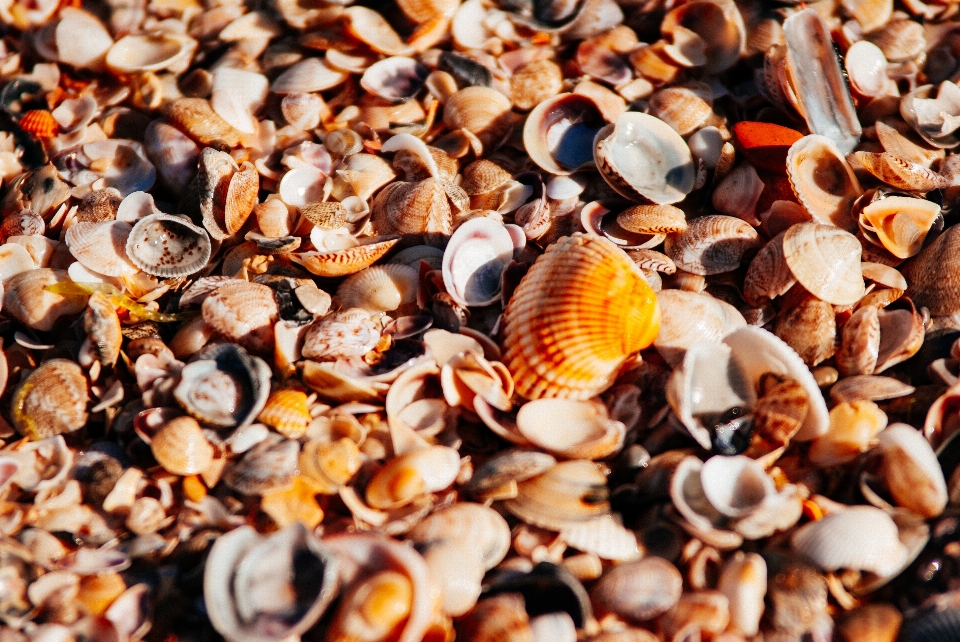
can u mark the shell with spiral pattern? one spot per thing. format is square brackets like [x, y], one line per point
[577, 316]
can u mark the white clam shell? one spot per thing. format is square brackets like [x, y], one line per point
[859, 537]
[151, 52]
[308, 76]
[14, 259]
[302, 185]
[237, 95]
[168, 246]
[396, 78]
[570, 428]
[101, 247]
[474, 260]
[87, 51]
[735, 486]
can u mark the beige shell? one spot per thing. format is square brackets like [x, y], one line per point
[932, 274]
[653, 219]
[380, 288]
[141, 53]
[712, 244]
[479, 527]
[638, 591]
[899, 140]
[689, 318]
[347, 261]
[570, 428]
[738, 193]
[535, 82]
[482, 111]
[214, 178]
[860, 343]
[823, 180]
[102, 327]
[682, 108]
[810, 328]
[718, 24]
[935, 119]
[241, 197]
[900, 223]
[406, 477]
[768, 275]
[101, 247]
[571, 492]
[181, 448]
[826, 261]
[911, 471]
[563, 302]
[872, 387]
[900, 40]
[899, 173]
[243, 312]
[548, 133]
[168, 246]
[858, 537]
[99, 205]
[483, 176]
[412, 208]
[26, 298]
[328, 215]
[196, 118]
[347, 333]
[52, 400]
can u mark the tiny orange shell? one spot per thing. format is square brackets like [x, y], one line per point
[39, 123]
[287, 412]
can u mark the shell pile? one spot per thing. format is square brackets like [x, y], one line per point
[513, 320]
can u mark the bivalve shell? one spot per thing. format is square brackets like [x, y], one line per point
[823, 180]
[474, 261]
[482, 111]
[51, 401]
[579, 313]
[475, 526]
[101, 247]
[379, 288]
[181, 448]
[26, 298]
[138, 53]
[333, 263]
[712, 244]
[570, 428]
[571, 492]
[638, 591]
[412, 474]
[826, 261]
[558, 133]
[900, 223]
[224, 386]
[244, 312]
[168, 246]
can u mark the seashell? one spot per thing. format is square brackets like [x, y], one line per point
[483, 176]
[911, 471]
[308, 76]
[40, 191]
[101, 247]
[287, 412]
[224, 386]
[474, 261]
[173, 153]
[900, 223]
[934, 118]
[473, 526]
[738, 193]
[416, 160]
[930, 275]
[39, 123]
[901, 141]
[412, 208]
[570, 428]
[458, 571]
[83, 53]
[500, 617]
[706, 610]
[256, 588]
[860, 343]
[534, 83]
[14, 260]
[870, 387]
[899, 173]
[571, 492]
[26, 223]
[638, 591]
[765, 145]
[856, 537]
[823, 180]
[27, 298]
[482, 111]
[653, 219]
[51, 401]
[396, 78]
[236, 95]
[348, 333]
[168, 246]
[718, 25]
[243, 312]
[303, 111]
[269, 466]
[102, 327]
[809, 327]
[826, 261]
[181, 448]
[558, 133]
[380, 288]
[412, 474]
[744, 581]
[576, 368]
[768, 275]
[139, 53]
[99, 205]
[213, 181]
[867, 69]
[853, 429]
[688, 318]
[736, 485]
[196, 118]
[819, 83]
[682, 108]
[241, 198]
[365, 174]
[900, 40]
[302, 185]
[644, 159]
[712, 244]
[346, 261]
[602, 222]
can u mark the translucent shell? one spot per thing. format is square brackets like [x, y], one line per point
[580, 312]
[168, 246]
[51, 401]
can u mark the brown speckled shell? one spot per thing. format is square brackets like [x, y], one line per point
[168, 246]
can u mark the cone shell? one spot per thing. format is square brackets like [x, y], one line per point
[578, 314]
[51, 401]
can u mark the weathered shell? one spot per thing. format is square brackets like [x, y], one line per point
[264, 588]
[712, 244]
[690, 317]
[412, 208]
[101, 247]
[99, 205]
[900, 223]
[935, 119]
[735, 485]
[307, 76]
[738, 193]
[51, 401]
[482, 111]
[857, 537]
[348, 333]
[224, 386]
[474, 261]
[196, 118]
[102, 327]
[570, 428]
[810, 328]
[932, 274]
[823, 180]
[379, 288]
[826, 261]
[26, 298]
[860, 343]
[567, 288]
[558, 133]
[911, 471]
[644, 159]
[243, 312]
[744, 581]
[872, 387]
[173, 153]
[570, 492]
[140, 53]
[653, 219]
[168, 246]
[768, 275]
[241, 197]
[638, 591]
[347, 261]
[181, 448]
[39, 123]
[474, 525]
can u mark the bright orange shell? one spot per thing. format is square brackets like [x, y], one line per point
[580, 312]
[287, 412]
[39, 123]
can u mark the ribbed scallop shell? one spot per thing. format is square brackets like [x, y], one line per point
[241, 197]
[348, 261]
[826, 261]
[712, 244]
[168, 246]
[101, 247]
[243, 312]
[933, 274]
[859, 537]
[412, 208]
[39, 123]
[51, 401]
[287, 412]
[379, 288]
[181, 448]
[653, 219]
[578, 314]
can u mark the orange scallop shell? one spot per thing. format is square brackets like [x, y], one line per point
[577, 316]
[287, 412]
[39, 123]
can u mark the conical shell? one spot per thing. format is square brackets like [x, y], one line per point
[51, 401]
[826, 261]
[577, 315]
[168, 246]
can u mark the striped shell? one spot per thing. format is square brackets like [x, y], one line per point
[51, 401]
[287, 412]
[39, 123]
[576, 317]
[348, 261]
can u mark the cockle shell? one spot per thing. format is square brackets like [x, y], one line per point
[571, 286]
[224, 386]
[99, 205]
[214, 179]
[638, 591]
[138, 53]
[644, 159]
[51, 401]
[102, 327]
[900, 223]
[101, 247]
[712, 244]
[347, 333]
[690, 317]
[826, 261]
[571, 492]
[570, 428]
[769, 275]
[474, 261]
[168, 246]
[717, 24]
[899, 173]
[379, 288]
[265, 588]
[867, 68]
[482, 111]
[307, 76]
[26, 298]
[474, 525]
[682, 108]
[412, 208]
[288, 412]
[558, 133]
[181, 448]
[823, 180]
[39, 123]
[857, 537]
[243, 312]
[911, 471]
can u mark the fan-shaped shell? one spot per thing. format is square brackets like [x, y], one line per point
[690, 317]
[379, 288]
[570, 428]
[474, 261]
[911, 471]
[644, 159]
[482, 111]
[571, 492]
[138, 53]
[181, 448]
[348, 261]
[577, 315]
[653, 219]
[558, 133]
[196, 118]
[347, 333]
[288, 412]
[412, 208]
[51, 401]
[858, 537]
[682, 108]
[168, 246]
[826, 261]
[638, 591]
[101, 247]
[244, 312]
[476, 526]
[823, 180]
[712, 244]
